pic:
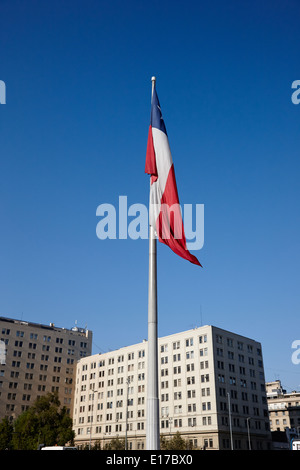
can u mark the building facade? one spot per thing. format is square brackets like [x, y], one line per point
[36, 359]
[211, 388]
[284, 408]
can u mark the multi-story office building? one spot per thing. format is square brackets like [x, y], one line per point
[36, 359]
[211, 386]
[284, 408]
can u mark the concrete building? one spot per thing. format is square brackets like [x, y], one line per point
[284, 408]
[36, 359]
[211, 382]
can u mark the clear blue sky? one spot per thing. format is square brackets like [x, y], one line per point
[73, 136]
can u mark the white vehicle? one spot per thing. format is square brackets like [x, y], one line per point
[295, 444]
[58, 448]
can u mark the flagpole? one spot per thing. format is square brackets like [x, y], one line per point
[152, 423]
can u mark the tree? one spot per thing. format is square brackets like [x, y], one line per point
[43, 423]
[95, 446]
[115, 444]
[6, 430]
[174, 443]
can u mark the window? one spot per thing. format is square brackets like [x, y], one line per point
[232, 380]
[190, 380]
[164, 424]
[178, 423]
[192, 421]
[219, 339]
[177, 409]
[205, 378]
[5, 331]
[192, 407]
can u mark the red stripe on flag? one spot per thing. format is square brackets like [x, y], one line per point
[150, 166]
[169, 223]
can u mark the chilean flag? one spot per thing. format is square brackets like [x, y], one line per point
[164, 212]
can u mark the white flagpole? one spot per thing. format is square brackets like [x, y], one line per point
[152, 423]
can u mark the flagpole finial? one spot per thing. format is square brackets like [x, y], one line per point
[153, 79]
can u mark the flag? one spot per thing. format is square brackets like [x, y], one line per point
[164, 209]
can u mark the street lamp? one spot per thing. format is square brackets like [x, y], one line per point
[248, 428]
[127, 382]
[230, 426]
[92, 409]
[170, 423]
